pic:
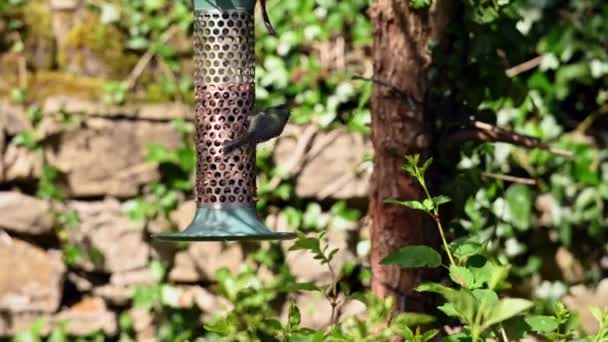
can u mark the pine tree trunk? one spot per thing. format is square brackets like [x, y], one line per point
[401, 56]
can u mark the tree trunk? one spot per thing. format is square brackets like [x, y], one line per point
[401, 56]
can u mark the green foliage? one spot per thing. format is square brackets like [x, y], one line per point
[414, 257]
[419, 4]
[47, 184]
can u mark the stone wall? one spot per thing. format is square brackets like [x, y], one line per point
[100, 152]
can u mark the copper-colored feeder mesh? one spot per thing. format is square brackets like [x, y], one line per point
[224, 60]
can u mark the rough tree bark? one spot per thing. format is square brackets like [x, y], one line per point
[401, 56]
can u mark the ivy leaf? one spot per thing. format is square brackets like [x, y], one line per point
[414, 256]
[519, 199]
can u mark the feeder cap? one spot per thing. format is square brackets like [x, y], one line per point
[224, 5]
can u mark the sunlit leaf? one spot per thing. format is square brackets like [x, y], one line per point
[415, 256]
[540, 323]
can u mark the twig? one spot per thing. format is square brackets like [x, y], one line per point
[412, 101]
[482, 131]
[340, 182]
[525, 66]
[164, 68]
[298, 156]
[333, 296]
[508, 178]
[588, 121]
[147, 57]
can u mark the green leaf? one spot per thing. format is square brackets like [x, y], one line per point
[273, 325]
[410, 204]
[221, 327]
[461, 303]
[462, 276]
[439, 200]
[448, 309]
[294, 287]
[429, 335]
[505, 309]
[408, 334]
[26, 139]
[306, 243]
[160, 154]
[465, 249]
[428, 204]
[481, 268]
[414, 256]
[313, 217]
[596, 313]
[420, 4]
[411, 319]
[541, 323]
[294, 318]
[425, 166]
[58, 334]
[519, 199]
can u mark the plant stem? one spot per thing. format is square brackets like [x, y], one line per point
[437, 219]
[333, 300]
[504, 334]
[445, 243]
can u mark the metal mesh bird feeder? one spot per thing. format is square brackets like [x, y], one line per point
[224, 60]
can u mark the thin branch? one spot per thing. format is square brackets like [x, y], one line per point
[525, 66]
[482, 131]
[508, 178]
[147, 57]
[412, 101]
[298, 156]
[584, 125]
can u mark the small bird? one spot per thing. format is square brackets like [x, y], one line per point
[263, 126]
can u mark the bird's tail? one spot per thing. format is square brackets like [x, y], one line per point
[232, 145]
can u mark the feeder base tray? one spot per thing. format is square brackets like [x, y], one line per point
[225, 224]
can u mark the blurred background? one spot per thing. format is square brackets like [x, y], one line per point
[97, 152]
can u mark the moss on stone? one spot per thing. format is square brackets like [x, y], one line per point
[37, 18]
[155, 93]
[47, 83]
[39, 39]
[94, 49]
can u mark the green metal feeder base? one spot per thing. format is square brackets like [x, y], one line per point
[225, 224]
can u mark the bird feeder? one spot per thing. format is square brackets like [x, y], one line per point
[224, 62]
